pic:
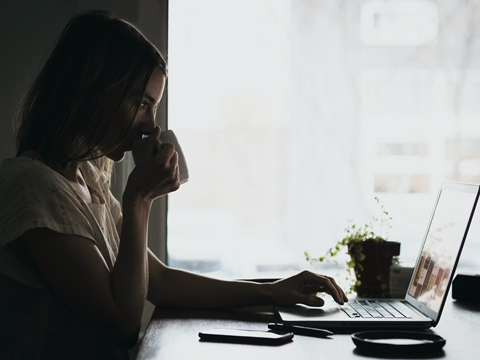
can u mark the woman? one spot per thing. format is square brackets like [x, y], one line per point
[75, 270]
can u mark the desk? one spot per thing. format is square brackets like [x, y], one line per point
[173, 334]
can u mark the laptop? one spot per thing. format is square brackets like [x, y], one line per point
[427, 292]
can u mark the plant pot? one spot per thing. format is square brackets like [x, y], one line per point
[373, 271]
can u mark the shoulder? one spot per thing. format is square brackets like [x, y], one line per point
[24, 179]
[32, 195]
[23, 170]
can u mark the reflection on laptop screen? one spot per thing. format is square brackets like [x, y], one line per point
[443, 240]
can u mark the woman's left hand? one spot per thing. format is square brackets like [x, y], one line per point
[303, 288]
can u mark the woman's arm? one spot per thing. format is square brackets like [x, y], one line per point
[113, 300]
[177, 288]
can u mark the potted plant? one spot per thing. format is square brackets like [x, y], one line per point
[370, 255]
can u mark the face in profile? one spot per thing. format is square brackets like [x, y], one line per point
[144, 121]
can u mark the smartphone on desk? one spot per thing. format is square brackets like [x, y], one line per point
[257, 337]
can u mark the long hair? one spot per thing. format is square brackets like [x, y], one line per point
[99, 62]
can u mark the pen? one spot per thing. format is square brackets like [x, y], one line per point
[299, 330]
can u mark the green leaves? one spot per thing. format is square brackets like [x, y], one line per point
[307, 256]
[355, 235]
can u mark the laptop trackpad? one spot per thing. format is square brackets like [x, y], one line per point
[304, 312]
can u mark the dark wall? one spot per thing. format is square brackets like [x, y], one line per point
[28, 28]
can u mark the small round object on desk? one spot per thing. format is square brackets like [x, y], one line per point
[395, 342]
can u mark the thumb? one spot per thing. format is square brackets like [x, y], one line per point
[151, 142]
[310, 300]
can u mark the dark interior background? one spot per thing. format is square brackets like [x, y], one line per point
[28, 29]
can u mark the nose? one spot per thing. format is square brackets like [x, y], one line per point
[147, 124]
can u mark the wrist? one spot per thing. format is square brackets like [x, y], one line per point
[133, 200]
[266, 292]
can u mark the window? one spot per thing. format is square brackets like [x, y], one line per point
[292, 120]
[399, 22]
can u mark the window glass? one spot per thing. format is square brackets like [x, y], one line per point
[294, 115]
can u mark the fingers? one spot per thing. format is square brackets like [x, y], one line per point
[167, 151]
[304, 287]
[174, 164]
[311, 300]
[321, 283]
[338, 289]
[167, 158]
[157, 173]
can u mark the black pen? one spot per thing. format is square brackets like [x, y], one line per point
[300, 330]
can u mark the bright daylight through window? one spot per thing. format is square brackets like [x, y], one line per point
[293, 115]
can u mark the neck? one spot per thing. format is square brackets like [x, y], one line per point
[71, 172]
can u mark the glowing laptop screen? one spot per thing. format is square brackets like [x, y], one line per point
[444, 239]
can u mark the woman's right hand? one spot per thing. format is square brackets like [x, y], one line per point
[155, 173]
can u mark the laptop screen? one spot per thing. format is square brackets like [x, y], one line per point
[443, 242]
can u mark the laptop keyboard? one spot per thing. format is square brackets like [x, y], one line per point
[371, 309]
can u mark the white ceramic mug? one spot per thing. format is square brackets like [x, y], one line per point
[166, 137]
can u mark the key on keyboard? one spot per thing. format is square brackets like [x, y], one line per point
[371, 309]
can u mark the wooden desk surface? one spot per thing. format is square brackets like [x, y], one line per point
[173, 334]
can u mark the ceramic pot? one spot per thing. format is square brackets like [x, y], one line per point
[374, 270]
